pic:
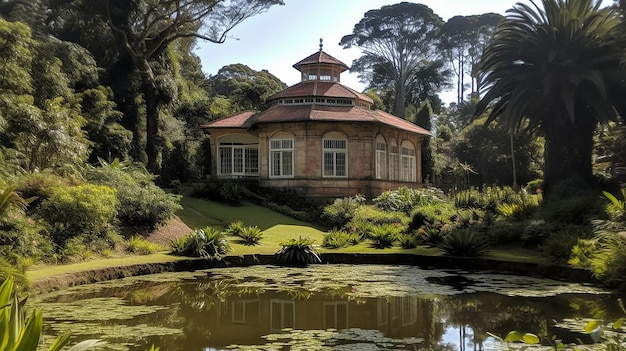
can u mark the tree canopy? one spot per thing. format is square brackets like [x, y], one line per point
[558, 71]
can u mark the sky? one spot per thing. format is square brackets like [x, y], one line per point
[284, 35]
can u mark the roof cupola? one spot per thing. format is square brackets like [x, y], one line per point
[320, 67]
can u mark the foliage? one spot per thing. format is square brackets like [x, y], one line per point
[400, 54]
[297, 252]
[336, 239]
[232, 192]
[341, 211]
[465, 243]
[491, 149]
[604, 254]
[24, 240]
[617, 208]
[138, 245]
[84, 210]
[432, 216]
[405, 199]
[251, 235]
[10, 270]
[503, 232]
[21, 333]
[564, 38]
[209, 243]
[235, 228]
[375, 216]
[410, 240]
[11, 201]
[572, 201]
[139, 201]
[558, 246]
[384, 235]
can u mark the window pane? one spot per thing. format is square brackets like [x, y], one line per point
[275, 160]
[340, 170]
[225, 160]
[287, 163]
[237, 160]
[329, 163]
[252, 161]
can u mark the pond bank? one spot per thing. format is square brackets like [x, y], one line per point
[64, 280]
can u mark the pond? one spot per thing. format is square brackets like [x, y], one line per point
[323, 307]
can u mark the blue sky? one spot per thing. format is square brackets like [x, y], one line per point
[284, 35]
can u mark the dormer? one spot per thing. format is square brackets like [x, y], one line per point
[321, 67]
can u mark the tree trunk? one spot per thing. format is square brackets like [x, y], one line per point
[152, 123]
[568, 150]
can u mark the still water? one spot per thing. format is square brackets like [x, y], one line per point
[323, 307]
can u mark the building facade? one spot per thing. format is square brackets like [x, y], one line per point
[320, 137]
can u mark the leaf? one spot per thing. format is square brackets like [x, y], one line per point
[87, 345]
[530, 338]
[495, 337]
[618, 323]
[592, 325]
[60, 342]
[513, 336]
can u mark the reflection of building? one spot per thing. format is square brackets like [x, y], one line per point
[246, 320]
[319, 136]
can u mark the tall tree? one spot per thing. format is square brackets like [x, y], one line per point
[143, 31]
[462, 40]
[398, 42]
[557, 70]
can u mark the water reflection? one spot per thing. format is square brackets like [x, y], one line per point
[213, 313]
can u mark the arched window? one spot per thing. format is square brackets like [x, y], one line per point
[381, 158]
[335, 155]
[394, 161]
[407, 160]
[281, 156]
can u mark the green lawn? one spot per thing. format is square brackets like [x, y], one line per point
[277, 228]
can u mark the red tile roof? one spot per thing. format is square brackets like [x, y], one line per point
[321, 57]
[316, 88]
[302, 113]
[240, 120]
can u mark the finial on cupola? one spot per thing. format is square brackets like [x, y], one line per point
[321, 44]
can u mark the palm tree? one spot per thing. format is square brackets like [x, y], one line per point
[557, 71]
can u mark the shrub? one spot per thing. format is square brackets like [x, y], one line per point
[465, 243]
[81, 210]
[432, 216]
[433, 237]
[376, 216]
[208, 243]
[506, 232]
[604, 254]
[383, 236]
[251, 235]
[40, 186]
[24, 239]
[297, 252]
[141, 246]
[405, 199]
[341, 211]
[140, 201]
[558, 247]
[233, 193]
[572, 201]
[616, 209]
[235, 228]
[409, 240]
[336, 239]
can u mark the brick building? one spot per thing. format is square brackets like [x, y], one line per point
[320, 137]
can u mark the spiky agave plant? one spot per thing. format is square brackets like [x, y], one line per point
[297, 252]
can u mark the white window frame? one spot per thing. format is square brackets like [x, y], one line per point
[381, 159]
[394, 163]
[407, 162]
[240, 159]
[279, 150]
[336, 151]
